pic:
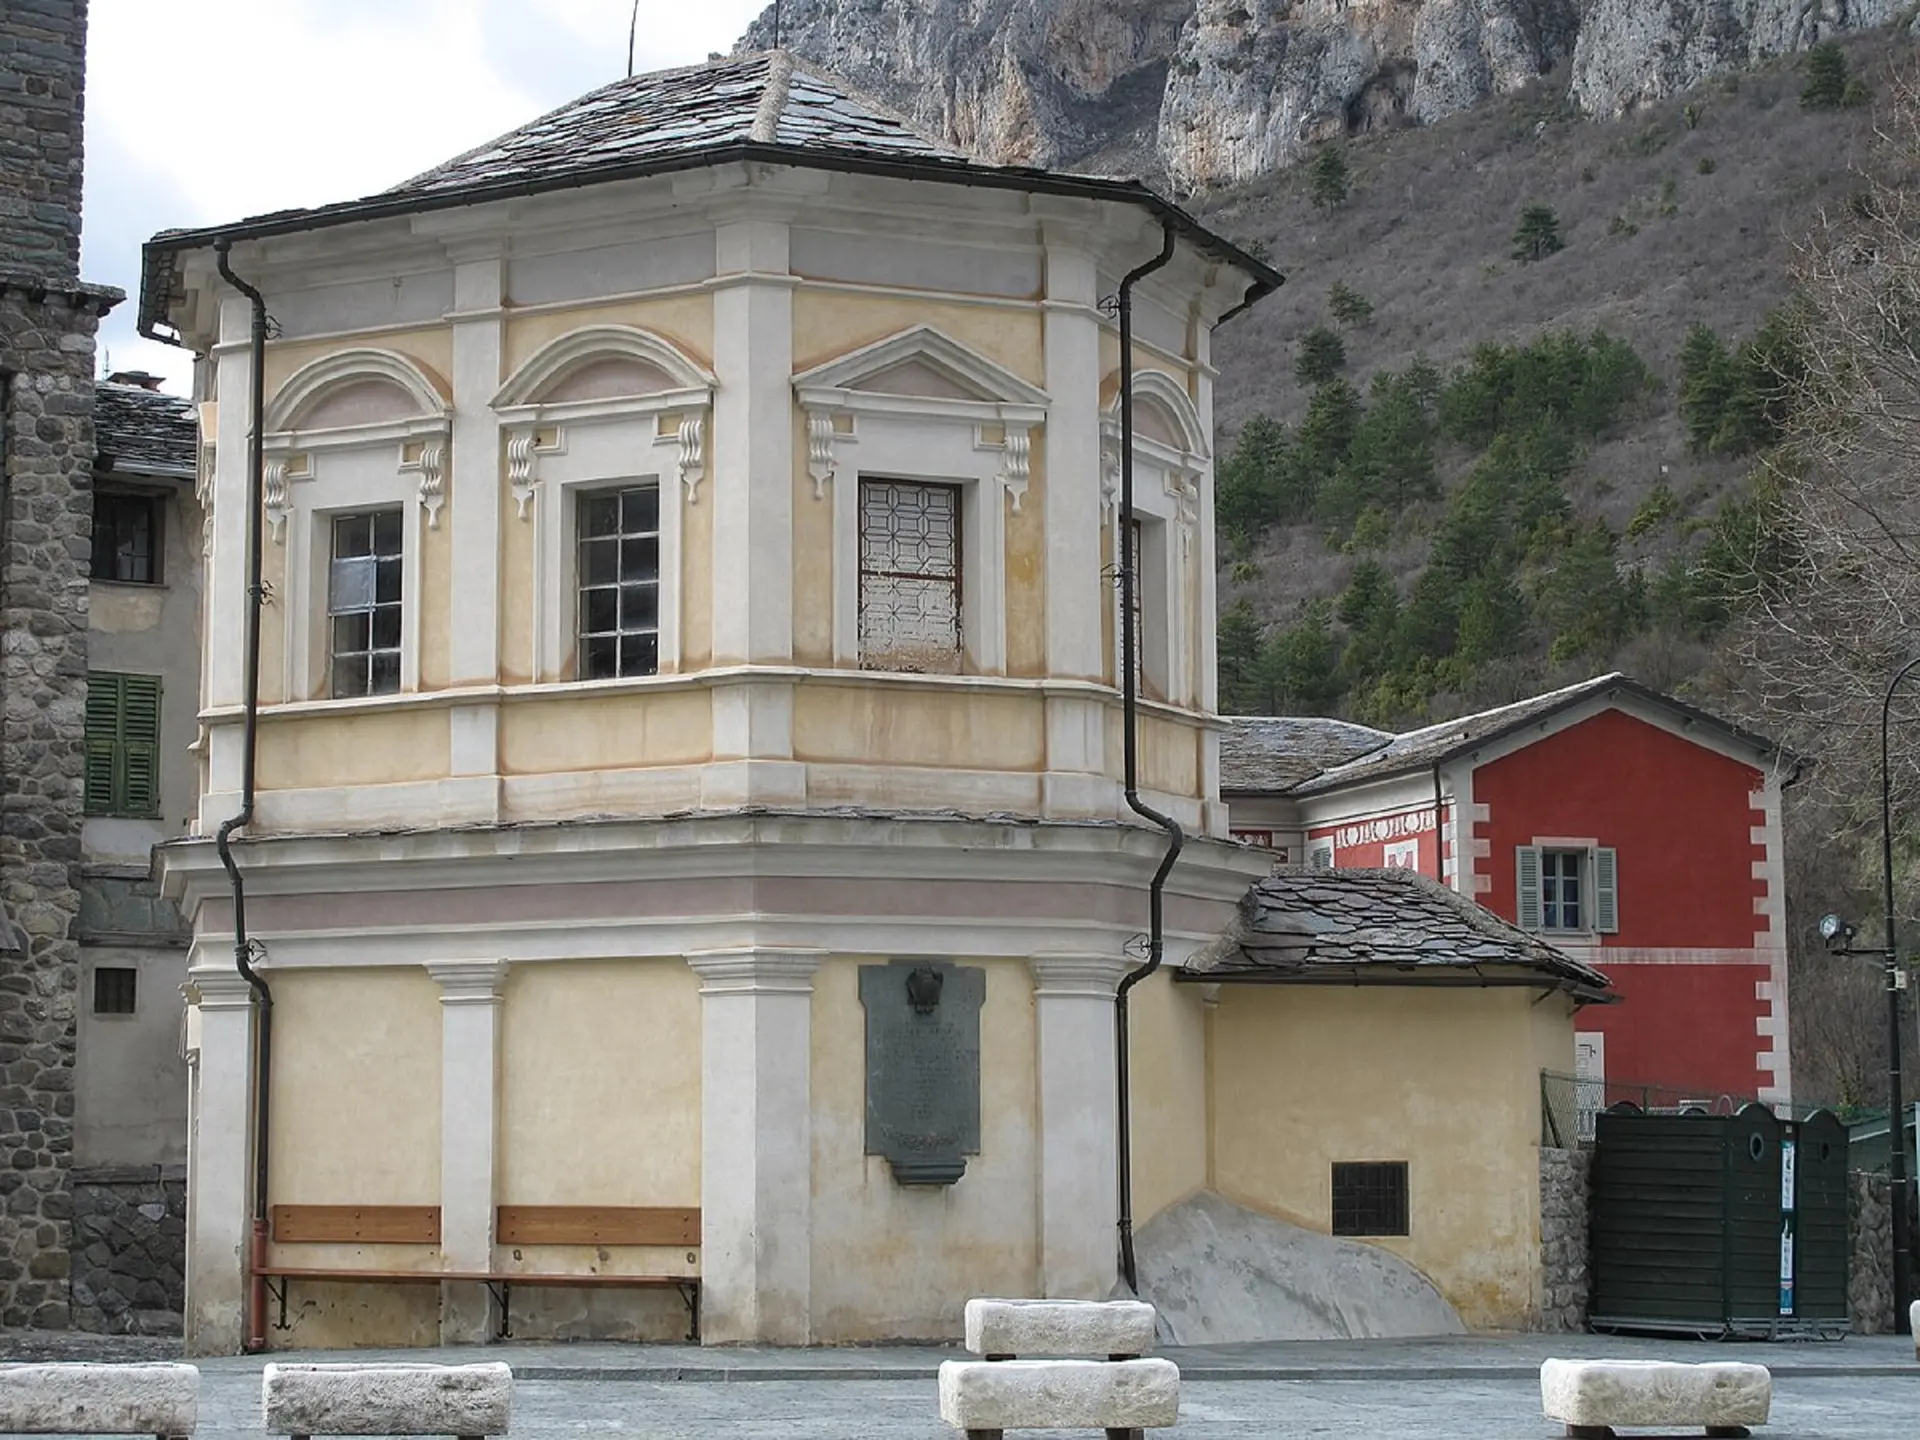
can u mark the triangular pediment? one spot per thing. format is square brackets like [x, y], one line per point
[923, 364]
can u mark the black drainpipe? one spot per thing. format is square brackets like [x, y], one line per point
[256, 1339]
[1129, 642]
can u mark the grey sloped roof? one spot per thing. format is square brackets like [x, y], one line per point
[768, 98]
[142, 432]
[1273, 753]
[1302, 923]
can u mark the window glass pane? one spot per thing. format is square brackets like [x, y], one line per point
[350, 584]
[350, 675]
[639, 654]
[639, 607]
[600, 658]
[350, 632]
[386, 628]
[600, 611]
[600, 562]
[599, 514]
[386, 532]
[640, 509]
[352, 535]
[386, 672]
[640, 559]
[386, 586]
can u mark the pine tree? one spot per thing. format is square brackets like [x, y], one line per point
[1348, 305]
[1323, 354]
[1826, 87]
[1328, 180]
[1538, 235]
[1238, 647]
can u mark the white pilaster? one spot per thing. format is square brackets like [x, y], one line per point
[474, 657]
[469, 1099]
[756, 1147]
[225, 602]
[753, 465]
[1074, 592]
[1079, 1123]
[221, 1178]
[1206, 659]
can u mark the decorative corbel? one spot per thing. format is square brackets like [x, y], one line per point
[274, 496]
[1017, 468]
[693, 455]
[520, 468]
[432, 478]
[820, 461]
[1109, 467]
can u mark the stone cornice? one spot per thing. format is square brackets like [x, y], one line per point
[220, 989]
[1090, 977]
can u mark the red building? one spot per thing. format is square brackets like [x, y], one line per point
[1638, 834]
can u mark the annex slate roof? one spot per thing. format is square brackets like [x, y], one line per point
[1303, 923]
[1276, 752]
[143, 432]
[769, 98]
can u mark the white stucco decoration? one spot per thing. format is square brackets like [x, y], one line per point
[428, 463]
[160, 1400]
[926, 376]
[1655, 1392]
[273, 495]
[387, 1399]
[1167, 434]
[1059, 1394]
[663, 382]
[1059, 1327]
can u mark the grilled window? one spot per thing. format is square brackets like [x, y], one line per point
[363, 603]
[116, 990]
[1370, 1197]
[123, 745]
[910, 577]
[126, 538]
[619, 583]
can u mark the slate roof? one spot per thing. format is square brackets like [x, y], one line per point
[142, 432]
[1302, 923]
[758, 109]
[1272, 753]
[770, 98]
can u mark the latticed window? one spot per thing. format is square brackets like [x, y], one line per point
[1131, 557]
[363, 603]
[619, 583]
[123, 745]
[1370, 1197]
[910, 577]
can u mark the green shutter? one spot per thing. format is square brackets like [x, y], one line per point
[123, 745]
[1606, 891]
[1527, 887]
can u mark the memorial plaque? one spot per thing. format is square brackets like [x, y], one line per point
[923, 1067]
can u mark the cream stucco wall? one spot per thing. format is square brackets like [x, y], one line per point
[1168, 1028]
[914, 724]
[894, 1262]
[605, 732]
[381, 747]
[356, 1121]
[685, 320]
[1447, 1080]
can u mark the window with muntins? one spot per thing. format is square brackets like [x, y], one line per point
[1370, 1197]
[123, 745]
[116, 990]
[363, 603]
[619, 570]
[910, 577]
[126, 538]
[1564, 889]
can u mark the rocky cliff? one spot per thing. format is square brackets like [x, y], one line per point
[1214, 92]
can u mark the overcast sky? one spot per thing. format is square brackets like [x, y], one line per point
[201, 111]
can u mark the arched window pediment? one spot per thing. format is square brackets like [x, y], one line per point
[603, 373]
[1167, 431]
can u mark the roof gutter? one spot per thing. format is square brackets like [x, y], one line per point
[1357, 979]
[158, 253]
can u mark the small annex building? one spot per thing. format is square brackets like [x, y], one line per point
[1628, 828]
[1375, 1042]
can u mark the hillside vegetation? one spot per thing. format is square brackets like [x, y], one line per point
[1500, 428]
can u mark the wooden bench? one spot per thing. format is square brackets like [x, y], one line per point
[677, 1227]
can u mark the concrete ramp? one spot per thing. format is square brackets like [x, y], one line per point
[1221, 1275]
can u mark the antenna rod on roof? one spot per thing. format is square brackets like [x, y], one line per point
[633, 29]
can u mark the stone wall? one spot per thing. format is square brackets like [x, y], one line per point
[1870, 1266]
[1565, 1266]
[129, 1249]
[42, 75]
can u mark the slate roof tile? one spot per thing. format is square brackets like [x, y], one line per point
[1273, 753]
[1301, 920]
[143, 430]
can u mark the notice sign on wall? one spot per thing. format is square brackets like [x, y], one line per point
[923, 1067]
[1788, 1150]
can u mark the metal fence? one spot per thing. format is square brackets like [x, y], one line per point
[1568, 1104]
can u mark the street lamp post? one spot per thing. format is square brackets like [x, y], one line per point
[1897, 1128]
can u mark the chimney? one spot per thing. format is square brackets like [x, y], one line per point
[136, 377]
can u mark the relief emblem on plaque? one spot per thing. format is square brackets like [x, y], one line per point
[923, 1067]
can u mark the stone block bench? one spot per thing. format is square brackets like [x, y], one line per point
[1593, 1398]
[1913, 1324]
[1122, 1394]
[158, 1400]
[468, 1401]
